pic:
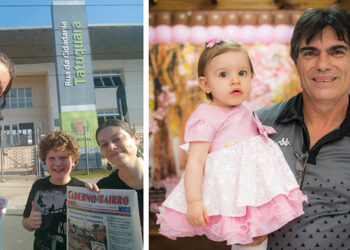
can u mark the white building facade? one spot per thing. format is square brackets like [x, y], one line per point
[32, 108]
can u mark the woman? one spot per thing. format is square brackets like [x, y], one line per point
[119, 144]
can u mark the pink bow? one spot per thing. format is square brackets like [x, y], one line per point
[213, 41]
[264, 131]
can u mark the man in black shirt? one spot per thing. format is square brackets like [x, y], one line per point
[313, 131]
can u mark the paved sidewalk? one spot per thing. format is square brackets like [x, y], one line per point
[16, 189]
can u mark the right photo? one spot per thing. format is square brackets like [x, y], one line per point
[249, 124]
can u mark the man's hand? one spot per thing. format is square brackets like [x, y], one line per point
[196, 214]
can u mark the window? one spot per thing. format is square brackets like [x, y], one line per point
[108, 79]
[19, 98]
[21, 134]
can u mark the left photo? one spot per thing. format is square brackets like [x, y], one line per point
[71, 128]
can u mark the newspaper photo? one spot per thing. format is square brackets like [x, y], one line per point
[105, 220]
[3, 205]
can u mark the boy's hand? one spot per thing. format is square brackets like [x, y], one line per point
[35, 217]
[92, 187]
[196, 214]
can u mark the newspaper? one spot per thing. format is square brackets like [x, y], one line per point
[105, 220]
[3, 205]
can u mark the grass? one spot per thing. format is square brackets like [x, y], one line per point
[92, 174]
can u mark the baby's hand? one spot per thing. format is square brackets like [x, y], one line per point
[35, 217]
[196, 214]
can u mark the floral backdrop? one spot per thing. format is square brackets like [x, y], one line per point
[174, 94]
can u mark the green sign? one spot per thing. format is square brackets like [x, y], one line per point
[82, 125]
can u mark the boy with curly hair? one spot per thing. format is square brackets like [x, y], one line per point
[46, 210]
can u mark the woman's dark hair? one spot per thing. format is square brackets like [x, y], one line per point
[115, 123]
[313, 21]
[118, 123]
[11, 68]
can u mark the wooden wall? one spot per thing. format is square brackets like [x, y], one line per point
[234, 17]
[195, 5]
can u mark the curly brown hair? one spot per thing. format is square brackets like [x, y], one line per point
[59, 140]
[115, 123]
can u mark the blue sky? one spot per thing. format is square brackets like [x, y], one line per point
[24, 13]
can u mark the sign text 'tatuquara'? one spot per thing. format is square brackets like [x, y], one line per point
[79, 62]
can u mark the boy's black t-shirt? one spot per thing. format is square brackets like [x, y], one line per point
[114, 182]
[51, 201]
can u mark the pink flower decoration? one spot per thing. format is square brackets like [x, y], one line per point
[154, 207]
[153, 126]
[160, 113]
[191, 83]
[213, 42]
[163, 99]
[165, 88]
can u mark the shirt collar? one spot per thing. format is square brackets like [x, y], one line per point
[293, 110]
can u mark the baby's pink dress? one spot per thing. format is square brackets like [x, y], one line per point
[248, 189]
